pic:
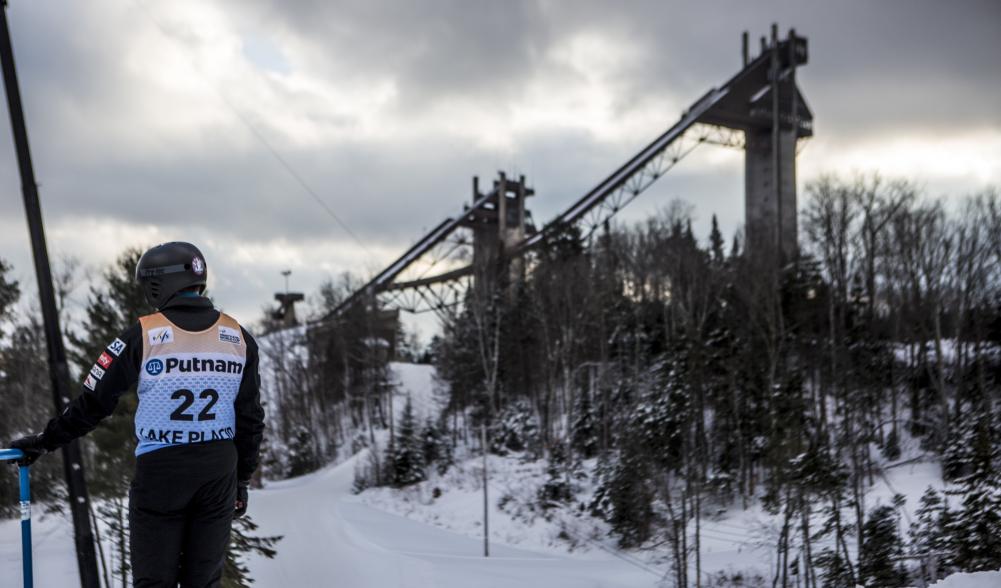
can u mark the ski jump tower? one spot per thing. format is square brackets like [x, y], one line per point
[760, 109]
[766, 104]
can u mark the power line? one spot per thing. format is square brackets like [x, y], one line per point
[257, 133]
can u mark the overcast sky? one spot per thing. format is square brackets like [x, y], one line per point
[140, 115]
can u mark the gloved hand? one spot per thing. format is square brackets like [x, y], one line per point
[33, 447]
[242, 498]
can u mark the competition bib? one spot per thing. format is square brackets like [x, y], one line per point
[188, 382]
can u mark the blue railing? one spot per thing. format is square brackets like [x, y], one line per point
[25, 476]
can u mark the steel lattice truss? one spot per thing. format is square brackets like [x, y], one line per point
[661, 163]
[440, 297]
[435, 281]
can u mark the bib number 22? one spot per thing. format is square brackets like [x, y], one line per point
[187, 398]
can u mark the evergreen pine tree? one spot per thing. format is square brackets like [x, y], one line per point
[624, 498]
[716, 243]
[881, 549]
[975, 529]
[302, 453]
[241, 543]
[957, 456]
[26, 391]
[584, 430]
[928, 539]
[408, 461]
[436, 449]
[430, 442]
[115, 303]
[835, 570]
[556, 489]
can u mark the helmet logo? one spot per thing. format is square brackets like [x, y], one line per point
[197, 265]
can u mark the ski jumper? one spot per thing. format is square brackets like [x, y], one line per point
[199, 425]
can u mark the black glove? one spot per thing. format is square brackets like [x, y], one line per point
[242, 498]
[33, 447]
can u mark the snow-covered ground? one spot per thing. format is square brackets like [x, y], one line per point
[974, 580]
[423, 538]
[335, 539]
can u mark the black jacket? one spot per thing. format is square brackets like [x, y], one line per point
[192, 313]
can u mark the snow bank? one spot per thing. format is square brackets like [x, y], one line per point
[971, 580]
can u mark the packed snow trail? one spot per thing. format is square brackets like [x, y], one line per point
[332, 539]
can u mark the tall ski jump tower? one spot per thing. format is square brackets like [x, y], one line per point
[764, 101]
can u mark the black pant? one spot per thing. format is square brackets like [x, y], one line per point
[180, 510]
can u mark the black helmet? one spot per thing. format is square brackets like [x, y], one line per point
[166, 269]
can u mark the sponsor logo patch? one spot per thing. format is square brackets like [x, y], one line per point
[161, 335]
[105, 360]
[228, 335]
[197, 364]
[154, 367]
[117, 347]
[90, 382]
[97, 371]
[198, 265]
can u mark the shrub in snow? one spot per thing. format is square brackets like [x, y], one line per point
[516, 430]
[891, 446]
[731, 579]
[366, 472]
[302, 454]
[436, 447]
[358, 442]
[584, 431]
[556, 489]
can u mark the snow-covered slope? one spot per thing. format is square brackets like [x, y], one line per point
[417, 382]
[333, 539]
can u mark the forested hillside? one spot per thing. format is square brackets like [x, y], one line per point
[697, 379]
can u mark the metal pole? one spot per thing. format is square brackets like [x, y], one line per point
[58, 367]
[776, 160]
[27, 571]
[486, 502]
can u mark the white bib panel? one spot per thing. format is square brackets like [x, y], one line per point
[188, 383]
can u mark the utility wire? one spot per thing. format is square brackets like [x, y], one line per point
[255, 131]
